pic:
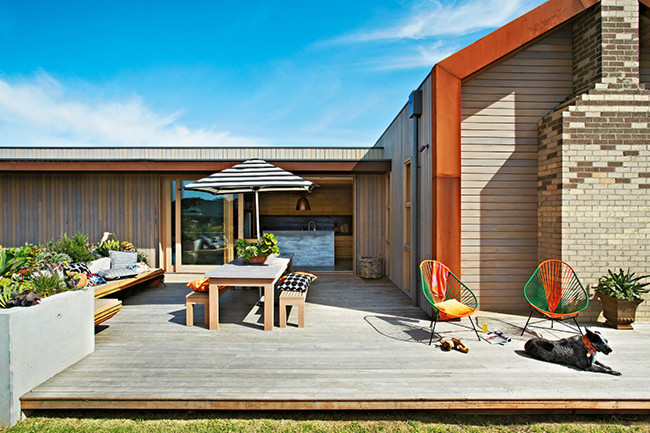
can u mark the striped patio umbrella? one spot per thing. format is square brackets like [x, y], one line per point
[255, 176]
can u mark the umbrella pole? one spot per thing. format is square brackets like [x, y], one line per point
[257, 215]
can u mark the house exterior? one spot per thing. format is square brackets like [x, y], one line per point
[532, 143]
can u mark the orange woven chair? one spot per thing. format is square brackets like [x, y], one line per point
[448, 296]
[555, 291]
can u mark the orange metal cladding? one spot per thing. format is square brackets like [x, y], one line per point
[446, 77]
[446, 169]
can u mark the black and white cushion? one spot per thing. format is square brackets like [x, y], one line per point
[295, 283]
[77, 268]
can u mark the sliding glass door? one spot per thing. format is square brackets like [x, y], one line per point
[203, 227]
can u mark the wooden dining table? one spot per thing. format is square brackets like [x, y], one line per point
[240, 273]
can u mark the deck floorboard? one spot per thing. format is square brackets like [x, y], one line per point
[363, 346]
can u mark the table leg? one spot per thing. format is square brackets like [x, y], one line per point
[214, 305]
[268, 307]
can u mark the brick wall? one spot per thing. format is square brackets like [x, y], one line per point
[549, 188]
[587, 52]
[602, 140]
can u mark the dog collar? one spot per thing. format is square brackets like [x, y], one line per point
[590, 347]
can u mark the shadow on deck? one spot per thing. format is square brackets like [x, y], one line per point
[364, 346]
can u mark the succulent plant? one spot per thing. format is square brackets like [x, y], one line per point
[622, 285]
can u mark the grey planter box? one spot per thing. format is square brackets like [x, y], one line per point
[40, 341]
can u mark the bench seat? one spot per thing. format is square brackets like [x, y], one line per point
[292, 298]
[117, 285]
[199, 298]
[105, 308]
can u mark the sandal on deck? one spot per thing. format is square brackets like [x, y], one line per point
[445, 345]
[458, 345]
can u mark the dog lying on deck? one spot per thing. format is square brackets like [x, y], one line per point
[579, 351]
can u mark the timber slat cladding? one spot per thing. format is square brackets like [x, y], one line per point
[191, 154]
[370, 216]
[39, 207]
[501, 108]
[364, 346]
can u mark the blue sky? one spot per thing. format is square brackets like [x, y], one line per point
[217, 73]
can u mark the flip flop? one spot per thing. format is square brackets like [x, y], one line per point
[445, 345]
[459, 346]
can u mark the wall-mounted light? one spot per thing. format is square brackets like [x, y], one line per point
[303, 203]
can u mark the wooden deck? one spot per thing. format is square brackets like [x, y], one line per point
[364, 346]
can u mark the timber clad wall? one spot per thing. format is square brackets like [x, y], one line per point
[500, 111]
[370, 216]
[397, 142]
[397, 146]
[39, 207]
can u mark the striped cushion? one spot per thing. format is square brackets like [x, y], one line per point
[113, 274]
[120, 259]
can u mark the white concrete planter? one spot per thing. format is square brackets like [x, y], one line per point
[40, 341]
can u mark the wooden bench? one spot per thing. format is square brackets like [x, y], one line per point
[292, 298]
[199, 298]
[105, 308]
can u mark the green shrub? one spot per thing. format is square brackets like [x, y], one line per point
[14, 259]
[47, 256]
[48, 284]
[103, 250]
[76, 247]
[7, 291]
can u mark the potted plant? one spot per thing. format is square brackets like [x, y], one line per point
[621, 293]
[257, 253]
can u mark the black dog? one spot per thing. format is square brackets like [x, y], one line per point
[579, 351]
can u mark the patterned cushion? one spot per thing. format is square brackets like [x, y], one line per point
[119, 259]
[201, 285]
[312, 276]
[79, 268]
[112, 274]
[296, 282]
[95, 280]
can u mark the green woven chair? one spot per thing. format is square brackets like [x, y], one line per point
[555, 291]
[447, 295]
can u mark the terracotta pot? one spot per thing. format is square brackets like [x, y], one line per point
[257, 260]
[618, 314]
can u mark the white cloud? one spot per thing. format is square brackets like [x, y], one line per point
[43, 113]
[423, 56]
[432, 18]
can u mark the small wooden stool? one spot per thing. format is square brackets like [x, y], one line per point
[288, 298]
[197, 298]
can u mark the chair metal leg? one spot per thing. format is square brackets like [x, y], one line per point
[527, 321]
[576, 322]
[475, 331]
[434, 321]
